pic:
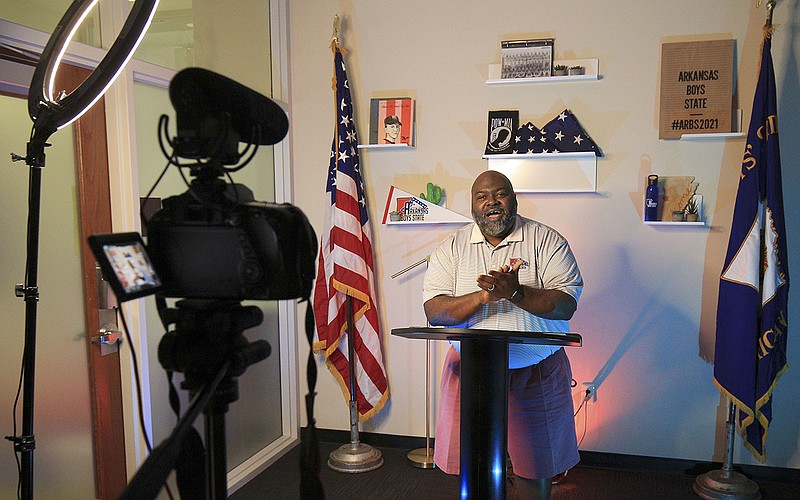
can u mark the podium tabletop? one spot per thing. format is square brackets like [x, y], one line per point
[540, 338]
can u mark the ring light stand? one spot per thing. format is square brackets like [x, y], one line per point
[50, 111]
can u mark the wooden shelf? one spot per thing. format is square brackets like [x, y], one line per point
[591, 66]
[548, 172]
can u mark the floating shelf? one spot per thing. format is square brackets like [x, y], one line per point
[548, 172]
[720, 135]
[591, 67]
[672, 223]
[385, 146]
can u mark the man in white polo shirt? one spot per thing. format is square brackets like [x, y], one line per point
[507, 272]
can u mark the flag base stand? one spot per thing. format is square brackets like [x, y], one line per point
[421, 458]
[725, 483]
[355, 457]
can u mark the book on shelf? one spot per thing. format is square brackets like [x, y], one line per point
[392, 121]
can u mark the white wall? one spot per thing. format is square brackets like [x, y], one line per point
[648, 310]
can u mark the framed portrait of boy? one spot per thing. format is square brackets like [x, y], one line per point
[391, 121]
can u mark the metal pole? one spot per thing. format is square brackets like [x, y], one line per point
[29, 292]
[725, 483]
[355, 456]
[351, 356]
[727, 466]
[423, 457]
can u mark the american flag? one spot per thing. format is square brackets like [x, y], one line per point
[346, 267]
[752, 318]
[530, 139]
[566, 133]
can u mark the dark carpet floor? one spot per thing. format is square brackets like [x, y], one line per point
[397, 479]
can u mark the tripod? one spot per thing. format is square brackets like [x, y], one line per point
[208, 347]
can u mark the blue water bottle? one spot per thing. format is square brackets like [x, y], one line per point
[651, 199]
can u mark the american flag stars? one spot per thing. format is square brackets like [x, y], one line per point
[562, 134]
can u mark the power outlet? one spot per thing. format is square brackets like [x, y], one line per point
[591, 391]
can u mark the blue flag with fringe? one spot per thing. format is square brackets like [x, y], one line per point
[752, 320]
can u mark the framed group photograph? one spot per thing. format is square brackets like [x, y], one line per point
[391, 121]
[526, 58]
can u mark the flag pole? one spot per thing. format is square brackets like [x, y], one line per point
[355, 456]
[423, 457]
[726, 483]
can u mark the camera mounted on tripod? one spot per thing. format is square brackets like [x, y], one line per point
[211, 247]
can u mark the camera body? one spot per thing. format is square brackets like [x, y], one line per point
[216, 242]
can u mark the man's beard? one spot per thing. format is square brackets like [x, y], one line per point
[499, 227]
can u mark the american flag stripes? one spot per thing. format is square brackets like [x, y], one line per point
[346, 266]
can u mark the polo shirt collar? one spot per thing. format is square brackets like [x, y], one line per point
[516, 234]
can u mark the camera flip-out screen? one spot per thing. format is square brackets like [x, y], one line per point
[125, 264]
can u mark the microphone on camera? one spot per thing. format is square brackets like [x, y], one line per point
[198, 94]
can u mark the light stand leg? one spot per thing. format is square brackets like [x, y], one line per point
[725, 483]
[29, 292]
[423, 457]
[355, 456]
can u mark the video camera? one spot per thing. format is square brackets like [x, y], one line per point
[215, 241]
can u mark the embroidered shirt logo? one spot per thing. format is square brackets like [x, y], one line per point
[514, 260]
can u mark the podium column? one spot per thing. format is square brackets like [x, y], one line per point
[484, 418]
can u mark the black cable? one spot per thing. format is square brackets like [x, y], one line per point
[586, 398]
[137, 383]
[13, 438]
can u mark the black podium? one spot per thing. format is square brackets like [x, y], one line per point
[484, 399]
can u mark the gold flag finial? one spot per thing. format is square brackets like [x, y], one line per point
[336, 26]
[769, 29]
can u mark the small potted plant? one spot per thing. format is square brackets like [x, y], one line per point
[559, 70]
[678, 216]
[692, 210]
[576, 70]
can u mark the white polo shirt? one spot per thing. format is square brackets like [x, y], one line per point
[548, 264]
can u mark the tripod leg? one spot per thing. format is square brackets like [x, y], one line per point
[216, 456]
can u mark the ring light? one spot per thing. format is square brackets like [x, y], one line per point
[50, 110]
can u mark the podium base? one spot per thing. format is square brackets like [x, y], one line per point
[719, 485]
[354, 458]
[421, 458]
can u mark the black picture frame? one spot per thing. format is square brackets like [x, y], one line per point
[527, 58]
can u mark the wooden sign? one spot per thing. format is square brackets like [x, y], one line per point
[696, 88]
